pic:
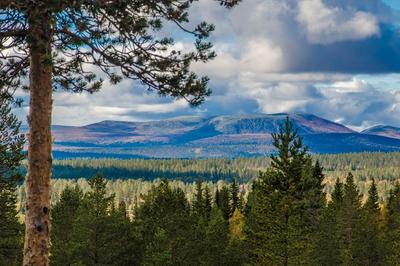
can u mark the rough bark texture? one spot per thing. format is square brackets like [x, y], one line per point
[37, 235]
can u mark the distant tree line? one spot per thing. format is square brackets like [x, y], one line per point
[364, 166]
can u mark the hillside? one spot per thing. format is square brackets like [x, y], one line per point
[219, 136]
[386, 131]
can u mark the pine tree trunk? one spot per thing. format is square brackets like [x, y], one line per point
[37, 234]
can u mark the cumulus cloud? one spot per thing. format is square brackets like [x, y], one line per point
[354, 102]
[326, 25]
[275, 56]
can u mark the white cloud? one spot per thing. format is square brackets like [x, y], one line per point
[324, 25]
[274, 56]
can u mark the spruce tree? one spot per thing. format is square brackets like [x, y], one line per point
[97, 240]
[216, 239]
[168, 210]
[198, 201]
[349, 219]
[158, 251]
[65, 213]
[217, 198]
[371, 251]
[329, 234]
[286, 198]
[234, 192]
[393, 226]
[207, 202]
[224, 202]
[11, 155]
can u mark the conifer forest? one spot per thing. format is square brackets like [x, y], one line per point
[290, 213]
[200, 132]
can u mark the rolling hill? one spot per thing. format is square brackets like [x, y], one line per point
[386, 131]
[219, 136]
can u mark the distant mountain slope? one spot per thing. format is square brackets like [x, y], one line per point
[386, 131]
[219, 136]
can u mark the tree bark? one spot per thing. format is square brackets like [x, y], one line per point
[37, 234]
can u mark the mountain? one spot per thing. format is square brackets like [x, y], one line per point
[219, 136]
[386, 131]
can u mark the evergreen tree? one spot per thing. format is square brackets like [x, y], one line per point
[370, 251]
[11, 145]
[158, 252]
[207, 202]
[168, 210]
[234, 196]
[349, 223]
[98, 240]
[328, 244]
[59, 42]
[216, 240]
[393, 226]
[217, 198]
[286, 199]
[224, 202]
[64, 215]
[198, 201]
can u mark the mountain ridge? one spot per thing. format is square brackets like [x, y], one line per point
[217, 136]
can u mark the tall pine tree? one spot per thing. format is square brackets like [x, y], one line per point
[393, 226]
[11, 145]
[349, 223]
[65, 213]
[370, 251]
[329, 235]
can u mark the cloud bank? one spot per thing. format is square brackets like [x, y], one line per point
[276, 56]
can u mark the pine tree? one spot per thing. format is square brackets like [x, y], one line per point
[370, 251]
[58, 42]
[198, 201]
[217, 198]
[11, 145]
[216, 239]
[225, 202]
[168, 210]
[328, 241]
[97, 240]
[286, 198]
[65, 213]
[393, 226]
[349, 223]
[158, 252]
[207, 202]
[234, 195]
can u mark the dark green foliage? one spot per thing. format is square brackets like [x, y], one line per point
[89, 230]
[216, 240]
[11, 145]
[349, 223]
[198, 201]
[235, 200]
[167, 210]
[207, 202]
[371, 237]
[64, 215]
[224, 202]
[393, 227]
[285, 205]
[118, 38]
[329, 235]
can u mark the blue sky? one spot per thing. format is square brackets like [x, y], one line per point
[338, 59]
[393, 3]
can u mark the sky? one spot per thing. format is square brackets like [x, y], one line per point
[338, 59]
